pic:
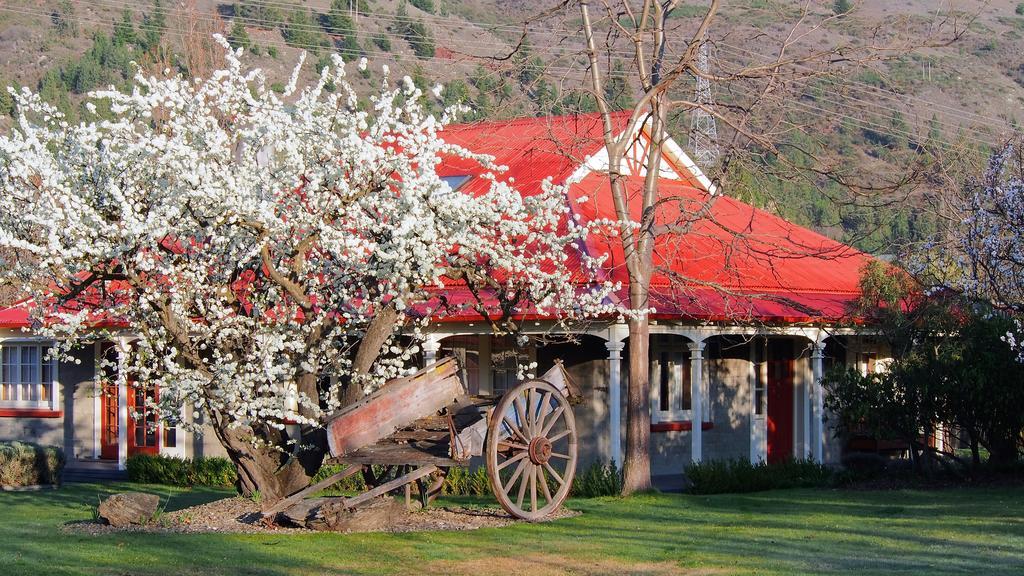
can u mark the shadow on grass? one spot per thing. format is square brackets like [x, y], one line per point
[783, 532]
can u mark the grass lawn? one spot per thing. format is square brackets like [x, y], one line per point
[956, 531]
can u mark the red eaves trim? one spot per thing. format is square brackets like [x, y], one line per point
[679, 426]
[30, 413]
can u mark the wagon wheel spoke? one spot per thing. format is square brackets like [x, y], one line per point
[559, 436]
[554, 418]
[533, 489]
[558, 477]
[513, 460]
[531, 419]
[544, 484]
[515, 429]
[506, 445]
[515, 475]
[522, 485]
[560, 455]
[545, 406]
[524, 425]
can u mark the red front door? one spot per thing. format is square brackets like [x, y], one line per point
[780, 400]
[143, 421]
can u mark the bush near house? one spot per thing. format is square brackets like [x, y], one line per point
[596, 480]
[26, 464]
[734, 476]
[218, 472]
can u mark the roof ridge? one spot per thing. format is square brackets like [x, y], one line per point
[534, 119]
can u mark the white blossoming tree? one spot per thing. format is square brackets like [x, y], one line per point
[989, 237]
[247, 244]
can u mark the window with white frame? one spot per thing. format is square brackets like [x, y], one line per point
[28, 375]
[670, 379]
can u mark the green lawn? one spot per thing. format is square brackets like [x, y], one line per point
[962, 531]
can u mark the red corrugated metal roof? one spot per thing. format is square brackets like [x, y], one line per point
[719, 259]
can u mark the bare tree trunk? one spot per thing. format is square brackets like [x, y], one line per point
[636, 466]
[377, 333]
[264, 468]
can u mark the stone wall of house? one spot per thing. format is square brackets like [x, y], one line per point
[587, 364]
[79, 389]
[72, 430]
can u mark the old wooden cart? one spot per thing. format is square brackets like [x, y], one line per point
[412, 430]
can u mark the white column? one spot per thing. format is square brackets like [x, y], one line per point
[97, 400]
[696, 400]
[430, 348]
[122, 407]
[615, 400]
[818, 427]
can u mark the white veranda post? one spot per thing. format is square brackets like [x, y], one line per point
[818, 424]
[615, 400]
[696, 400]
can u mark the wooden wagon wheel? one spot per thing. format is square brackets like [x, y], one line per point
[531, 450]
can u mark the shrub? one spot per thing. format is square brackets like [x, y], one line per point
[597, 480]
[353, 483]
[864, 465]
[1020, 9]
[464, 482]
[732, 476]
[27, 464]
[218, 472]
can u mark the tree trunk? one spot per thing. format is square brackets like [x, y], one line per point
[266, 468]
[636, 467]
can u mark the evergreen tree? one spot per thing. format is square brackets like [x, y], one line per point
[339, 23]
[263, 13]
[124, 31]
[64, 19]
[153, 25]
[301, 31]
[238, 37]
[616, 90]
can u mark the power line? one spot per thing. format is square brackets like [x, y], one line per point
[876, 127]
[451, 24]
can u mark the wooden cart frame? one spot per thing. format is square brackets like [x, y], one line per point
[412, 430]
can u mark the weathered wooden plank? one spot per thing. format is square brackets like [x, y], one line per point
[394, 406]
[331, 480]
[389, 486]
[395, 454]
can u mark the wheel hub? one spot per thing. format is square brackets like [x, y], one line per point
[540, 450]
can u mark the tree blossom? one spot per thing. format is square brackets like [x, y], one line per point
[261, 254]
[990, 237]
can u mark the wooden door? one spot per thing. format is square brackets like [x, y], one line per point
[108, 405]
[143, 420]
[780, 400]
[108, 422]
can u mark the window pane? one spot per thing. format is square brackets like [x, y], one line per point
[170, 437]
[664, 382]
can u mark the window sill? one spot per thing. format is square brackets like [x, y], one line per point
[30, 413]
[679, 426]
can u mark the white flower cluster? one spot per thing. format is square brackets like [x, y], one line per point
[246, 240]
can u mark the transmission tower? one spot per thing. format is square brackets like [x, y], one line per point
[703, 132]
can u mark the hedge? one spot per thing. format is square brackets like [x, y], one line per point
[731, 476]
[217, 472]
[27, 464]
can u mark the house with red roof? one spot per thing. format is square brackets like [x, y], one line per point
[748, 311]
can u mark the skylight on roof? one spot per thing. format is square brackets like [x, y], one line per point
[455, 182]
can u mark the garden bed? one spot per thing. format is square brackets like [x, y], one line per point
[242, 515]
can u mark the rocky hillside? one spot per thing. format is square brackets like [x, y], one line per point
[966, 96]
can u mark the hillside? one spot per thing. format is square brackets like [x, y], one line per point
[963, 97]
